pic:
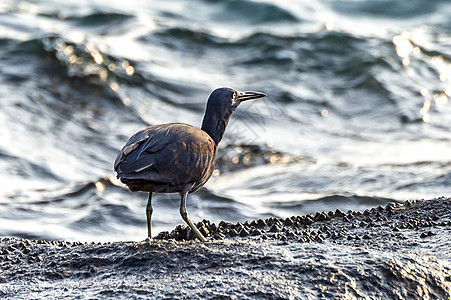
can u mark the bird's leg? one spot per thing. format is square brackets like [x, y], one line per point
[149, 215]
[184, 215]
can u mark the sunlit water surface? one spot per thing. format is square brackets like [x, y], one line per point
[357, 115]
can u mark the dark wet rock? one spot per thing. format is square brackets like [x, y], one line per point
[288, 222]
[261, 223]
[274, 228]
[243, 232]
[321, 216]
[401, 252]
[256, 231]
[426, 234]
[218, 236]
[339, 213]
[224, 224]
[308, 220]
[232, 233]
[203, 229]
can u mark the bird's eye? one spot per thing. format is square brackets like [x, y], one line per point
[234, 95]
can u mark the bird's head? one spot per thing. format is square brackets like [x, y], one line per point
[226, 100]
[221, 104]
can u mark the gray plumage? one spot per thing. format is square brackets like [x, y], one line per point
[178, 157]
[162, 157]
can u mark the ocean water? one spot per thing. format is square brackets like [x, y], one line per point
[357, 113]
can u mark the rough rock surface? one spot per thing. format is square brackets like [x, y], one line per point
[396, 252]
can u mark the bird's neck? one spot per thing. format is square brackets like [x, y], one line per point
[215, 126]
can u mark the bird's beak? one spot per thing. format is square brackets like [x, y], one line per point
[244, 96]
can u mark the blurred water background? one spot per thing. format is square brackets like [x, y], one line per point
[358, 112]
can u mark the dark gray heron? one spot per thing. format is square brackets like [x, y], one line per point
[177, 157]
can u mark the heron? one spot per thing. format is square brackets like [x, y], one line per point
[177, 157]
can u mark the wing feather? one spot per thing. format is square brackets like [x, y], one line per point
[169, 153]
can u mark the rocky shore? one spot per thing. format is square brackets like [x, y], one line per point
[401, 251]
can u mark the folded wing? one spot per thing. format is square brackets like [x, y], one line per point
[171, 153]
